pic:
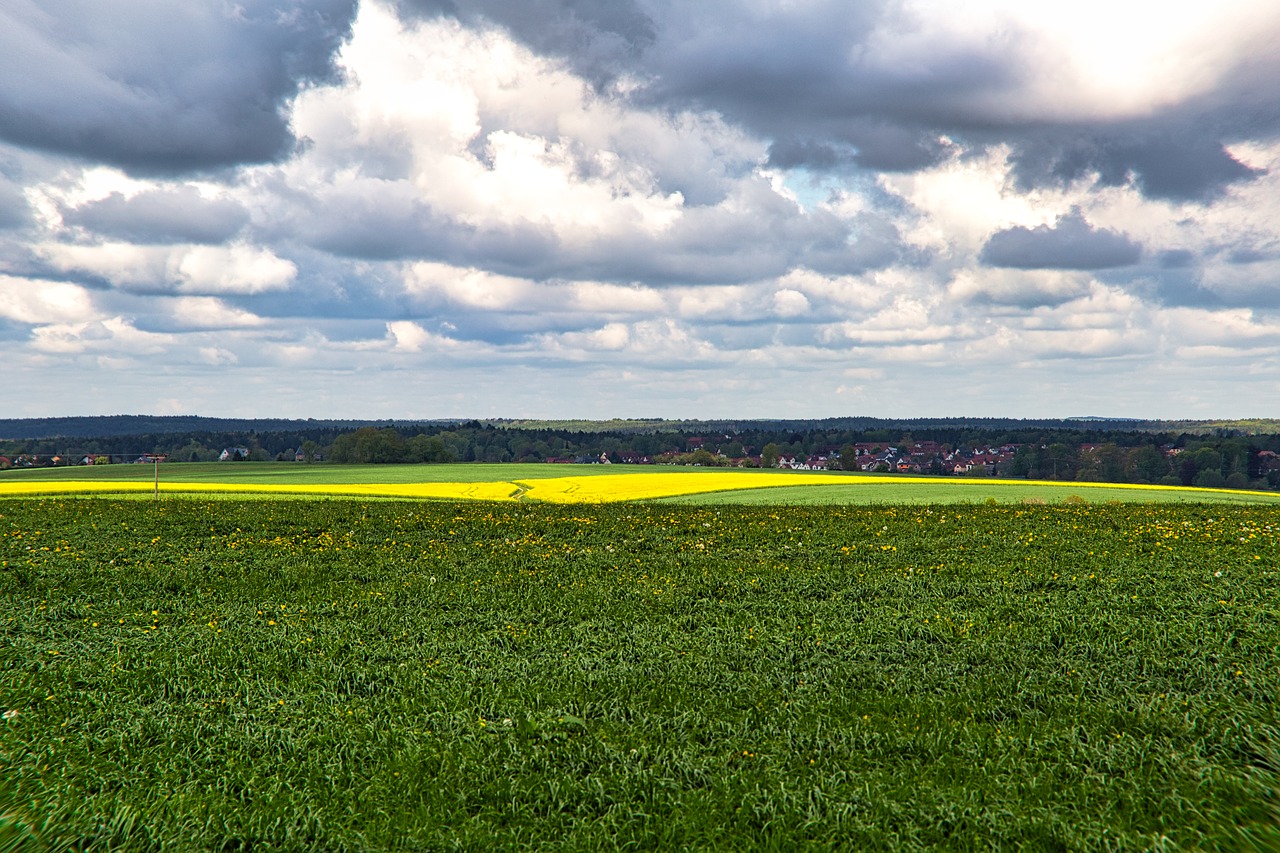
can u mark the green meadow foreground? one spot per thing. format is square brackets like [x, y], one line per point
[379, 675]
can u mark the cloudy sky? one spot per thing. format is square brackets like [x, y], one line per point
[640, 208]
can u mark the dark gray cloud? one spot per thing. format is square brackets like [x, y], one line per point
[597, 38]
[1248, 255]
[335, 288]
[1070, 244]
[180, 215]
[879, 146]
[384, 220]
[1165, 159]
[1188, 288]
[1181, 288]
[1175, 259]
[809, 79]
[791, 153]
[1214, 277]
[12, 330]
[162, 88]
[172, 88]
[14, 210]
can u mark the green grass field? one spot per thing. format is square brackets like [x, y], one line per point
[352, 675]
[301, 474]
[937, 491]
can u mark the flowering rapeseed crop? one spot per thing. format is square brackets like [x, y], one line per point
[596, 488]
[608, 488]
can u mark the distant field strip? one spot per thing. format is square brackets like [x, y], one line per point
[609, 488]
[780, 487]
[496, 491]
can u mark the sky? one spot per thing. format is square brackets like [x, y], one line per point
[640, 208]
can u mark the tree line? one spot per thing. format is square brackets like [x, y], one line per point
[1224, 459]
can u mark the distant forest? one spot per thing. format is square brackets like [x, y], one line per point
[1237, 454]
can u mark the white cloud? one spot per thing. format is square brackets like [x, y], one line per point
[40, 301]
[612, 337]
[961, 201]
[906, 323]
[207, 312]
[114, 335]
[857, 293]
[421, 96]
[1019, 287]
[232, 269]
[229, 269]
[716, 303]
[615, 299]
[790, 303]
[1192, 329]
[217, 356]
[408, 336]
[79, 187]
[1091, 58]
[472, 288]
[123, 264]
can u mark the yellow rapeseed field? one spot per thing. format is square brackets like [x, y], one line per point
[608, 488]
[599, 488]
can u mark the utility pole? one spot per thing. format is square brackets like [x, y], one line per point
[156, 459]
